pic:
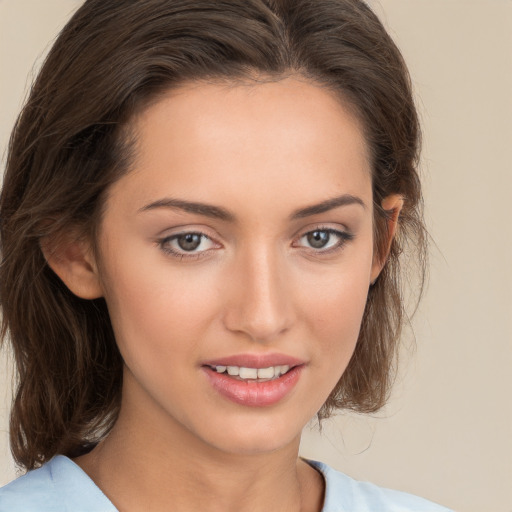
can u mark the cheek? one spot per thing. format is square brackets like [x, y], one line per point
[153, 309]
[333, 308]
[338, 313]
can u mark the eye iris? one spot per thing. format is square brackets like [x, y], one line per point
[318, 239]
[189, 242]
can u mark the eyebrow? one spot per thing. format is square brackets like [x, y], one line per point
[325, 206]
[207, 210]
[217, 212]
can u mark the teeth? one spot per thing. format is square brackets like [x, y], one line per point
[283, 369]
[266, 373]
[254, 373]
[248, 373]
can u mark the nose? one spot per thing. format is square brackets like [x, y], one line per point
[260, 304]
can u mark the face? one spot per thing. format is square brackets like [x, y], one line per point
[235, 259]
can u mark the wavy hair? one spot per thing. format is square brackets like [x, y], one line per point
[70, 144]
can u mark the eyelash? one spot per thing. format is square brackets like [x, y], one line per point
[166, 248]
[343, 238]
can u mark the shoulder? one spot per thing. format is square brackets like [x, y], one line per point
[344, 494]
[58, 486]
[32, 491]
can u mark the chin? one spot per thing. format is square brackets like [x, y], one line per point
[254, 436]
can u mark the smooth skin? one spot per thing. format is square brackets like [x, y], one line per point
[252, 270]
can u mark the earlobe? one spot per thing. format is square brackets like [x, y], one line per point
[392, 204]
[72, 259]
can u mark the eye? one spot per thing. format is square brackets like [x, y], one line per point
[324, 239]
[190, 244]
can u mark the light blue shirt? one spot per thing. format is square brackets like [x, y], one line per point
[61, 486]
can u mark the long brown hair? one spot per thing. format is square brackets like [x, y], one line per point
[71, 143]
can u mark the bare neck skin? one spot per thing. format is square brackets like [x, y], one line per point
[140, 468]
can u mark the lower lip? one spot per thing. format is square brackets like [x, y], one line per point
[253, 393]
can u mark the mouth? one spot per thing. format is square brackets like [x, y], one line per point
[244, 373]
[254, 381]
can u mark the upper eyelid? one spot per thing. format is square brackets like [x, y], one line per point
[169, 233]
[343, 230]
[339, 232]
[324, 227]
[174, 232]
[182, 233]
[184, 229]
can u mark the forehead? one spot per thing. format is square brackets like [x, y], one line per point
[284, 139]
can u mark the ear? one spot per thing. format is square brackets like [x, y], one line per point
[71, 258]
[393, 206]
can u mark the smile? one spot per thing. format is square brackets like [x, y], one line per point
[255, 374]
[254, 385]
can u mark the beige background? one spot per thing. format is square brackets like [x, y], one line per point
[447, 433]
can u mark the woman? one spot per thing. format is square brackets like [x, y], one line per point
[201, 220]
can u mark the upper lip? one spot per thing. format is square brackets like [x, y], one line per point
[255, 360]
